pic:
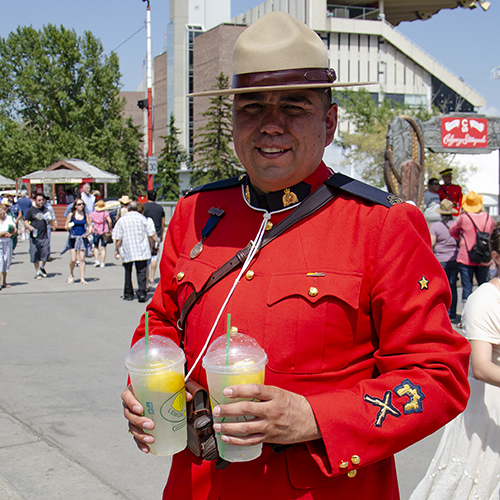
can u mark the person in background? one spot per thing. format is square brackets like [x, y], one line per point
[349, 302]
[50, 217]
[466, 464]
[464, 231]
[449, 191]
[124, 203]
[69, 197]
[446, 249]
[154, 248]
[36, 222]
[79, 226]
[133, 237]
[87, 197]
[432, 195]
[155, 212]
[101, 221]
[61, 196]
[7, 231]
[24, 203]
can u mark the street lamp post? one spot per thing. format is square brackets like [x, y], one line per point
[149, 80]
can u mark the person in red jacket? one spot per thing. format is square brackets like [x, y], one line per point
[349, 303]
[449, 191]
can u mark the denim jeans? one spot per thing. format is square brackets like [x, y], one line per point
[451, 269]
[467, 274]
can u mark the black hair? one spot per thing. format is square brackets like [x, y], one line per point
[495, 239]
[152, 195]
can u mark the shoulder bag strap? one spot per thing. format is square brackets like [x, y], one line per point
[309, 205]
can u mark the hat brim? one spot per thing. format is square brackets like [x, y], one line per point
[269, 88]
[453, 211]
[474, 209]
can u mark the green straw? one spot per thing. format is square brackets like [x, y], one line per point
[147, 337]
[228, 335]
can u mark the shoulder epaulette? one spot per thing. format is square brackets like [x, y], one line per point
[215, 186]
[368, 193]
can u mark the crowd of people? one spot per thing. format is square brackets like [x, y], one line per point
[90, 227]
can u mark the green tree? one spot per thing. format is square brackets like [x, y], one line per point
[59, 99]
[365, 143]
[214, 159]
[169, 162]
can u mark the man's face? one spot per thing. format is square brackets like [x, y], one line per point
[280, 136]
[40, 201]
[86, 188]
[447, 180]
[434, 186]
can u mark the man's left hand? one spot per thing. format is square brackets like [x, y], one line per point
[280, 416]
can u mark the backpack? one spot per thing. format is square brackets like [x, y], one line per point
[480, 253]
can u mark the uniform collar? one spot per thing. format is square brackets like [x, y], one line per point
[289, 197]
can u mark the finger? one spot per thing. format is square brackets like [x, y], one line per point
[248, 408]
[250, 391]
[130, 402]
[141, 438]
[248, 440]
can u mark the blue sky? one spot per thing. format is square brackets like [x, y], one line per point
[466, 42]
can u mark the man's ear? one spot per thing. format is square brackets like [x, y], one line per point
[331, 123]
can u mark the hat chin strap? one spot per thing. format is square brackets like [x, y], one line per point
[251, 254]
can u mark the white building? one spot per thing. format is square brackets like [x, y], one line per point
[363, 46]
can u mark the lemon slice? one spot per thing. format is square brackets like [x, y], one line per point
[165, 382]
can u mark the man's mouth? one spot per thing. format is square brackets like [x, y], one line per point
[272, 150]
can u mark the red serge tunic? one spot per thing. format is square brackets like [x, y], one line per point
[373, 351]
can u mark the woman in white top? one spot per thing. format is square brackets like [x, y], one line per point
[7, 230]
[467, 462]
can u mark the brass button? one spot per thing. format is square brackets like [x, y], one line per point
[352, 473]
[180, 276]
[249, 275]
[313, 291]
[269, 225]
[355, 460]
[344, 465]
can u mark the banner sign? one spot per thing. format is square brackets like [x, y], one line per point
[464, 132]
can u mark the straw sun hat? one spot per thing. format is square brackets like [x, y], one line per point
[279, 52]
[125, 200]
[100, 206]
[446, 208]
[473, 202]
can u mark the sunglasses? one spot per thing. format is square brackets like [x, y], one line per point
[79, 204]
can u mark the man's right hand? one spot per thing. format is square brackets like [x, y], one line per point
[132, 410]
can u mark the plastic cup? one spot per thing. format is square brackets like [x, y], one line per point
[158, 382]
[244, 363]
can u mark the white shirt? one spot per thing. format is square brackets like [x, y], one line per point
[133, 230]
[89, 200]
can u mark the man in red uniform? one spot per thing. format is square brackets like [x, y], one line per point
[349, 303]
[450, 191]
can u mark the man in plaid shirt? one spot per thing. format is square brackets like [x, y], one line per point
[133, 242]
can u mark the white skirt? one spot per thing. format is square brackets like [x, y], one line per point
[5, 254]
[466, 465]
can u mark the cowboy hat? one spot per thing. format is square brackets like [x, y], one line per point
[100, 206]
[6, 202]
[279, 52]
[124, 200]
[473, 202]
[446, 208]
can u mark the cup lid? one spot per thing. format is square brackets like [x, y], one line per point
[245, 354]
[163, 355]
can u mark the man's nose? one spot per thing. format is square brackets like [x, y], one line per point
[272, 123]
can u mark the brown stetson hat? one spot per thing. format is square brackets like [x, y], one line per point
[279, 52]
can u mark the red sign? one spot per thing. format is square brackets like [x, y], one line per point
[457, 132]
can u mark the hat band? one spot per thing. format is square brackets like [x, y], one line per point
[284, 77]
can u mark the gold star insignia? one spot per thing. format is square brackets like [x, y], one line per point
[424, 283]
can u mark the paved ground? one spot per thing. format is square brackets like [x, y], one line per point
[62, 433]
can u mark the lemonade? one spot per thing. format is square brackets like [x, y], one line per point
[243, 363]
[158, 384]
